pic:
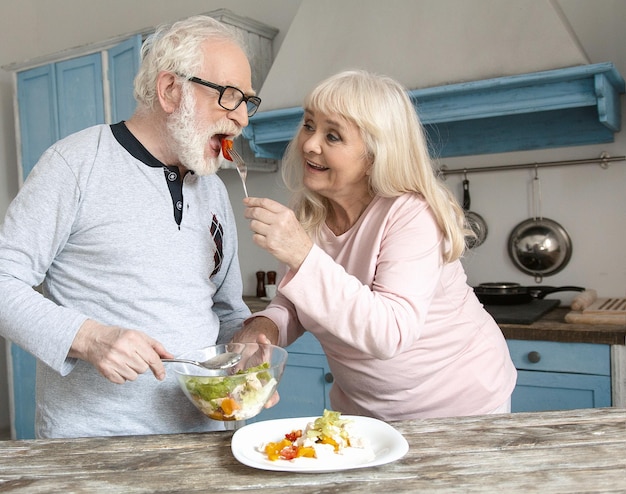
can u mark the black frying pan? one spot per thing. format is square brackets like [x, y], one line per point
[502, 293]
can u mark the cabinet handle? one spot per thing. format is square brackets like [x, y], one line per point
[328, 377]
[534, 357]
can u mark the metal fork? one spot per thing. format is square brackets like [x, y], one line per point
[242, 168]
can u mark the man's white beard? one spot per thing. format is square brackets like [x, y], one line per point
[190, 140]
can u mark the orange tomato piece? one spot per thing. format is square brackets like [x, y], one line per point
[306, 452]
[229, 406]
[227, 145]
[286, 450]
[328, 440]
[273, 450]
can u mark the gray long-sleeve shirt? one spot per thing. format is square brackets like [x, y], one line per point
[95, 223]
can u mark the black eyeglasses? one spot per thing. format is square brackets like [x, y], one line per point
[230, 97]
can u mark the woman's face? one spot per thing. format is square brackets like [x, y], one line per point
[335, 158]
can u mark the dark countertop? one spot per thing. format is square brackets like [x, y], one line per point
[255, 303]
[550, 327]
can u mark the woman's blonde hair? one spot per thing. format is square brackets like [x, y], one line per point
[394, 138]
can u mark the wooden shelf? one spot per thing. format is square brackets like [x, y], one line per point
[564, 107]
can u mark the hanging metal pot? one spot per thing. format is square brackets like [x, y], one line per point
[475, 222]
[539, 246]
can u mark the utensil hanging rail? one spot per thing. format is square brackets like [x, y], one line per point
[603, 161]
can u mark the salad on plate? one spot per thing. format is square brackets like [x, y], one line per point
[325, 437]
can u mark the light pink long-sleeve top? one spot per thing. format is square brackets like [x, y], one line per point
[404, 334]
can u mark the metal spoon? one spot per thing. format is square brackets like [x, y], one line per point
[221, 361]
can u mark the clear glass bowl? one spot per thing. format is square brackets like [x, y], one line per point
[237, 393]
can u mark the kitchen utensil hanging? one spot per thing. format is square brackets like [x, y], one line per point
[475, 222]
[539, 246]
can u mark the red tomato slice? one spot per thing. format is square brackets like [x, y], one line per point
[227, 145]
[293, 435]
[289, 452]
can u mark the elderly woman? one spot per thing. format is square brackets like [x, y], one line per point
[371, 249]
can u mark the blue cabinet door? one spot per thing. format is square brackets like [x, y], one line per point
[37, 111]
[123, 65]
[560, 376]
[305, 384]
[54, 101]
[39, 129]
[22, 367]
[303, 389]
[79, 93]
[538, 391]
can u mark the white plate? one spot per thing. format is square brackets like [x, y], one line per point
[386, 442]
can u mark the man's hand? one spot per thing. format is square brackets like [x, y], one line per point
[118, 354]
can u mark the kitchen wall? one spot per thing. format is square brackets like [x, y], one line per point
[588, 201]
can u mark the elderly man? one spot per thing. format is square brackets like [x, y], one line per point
[132, 236]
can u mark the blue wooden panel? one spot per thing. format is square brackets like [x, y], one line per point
[609, 109]
[79, 93]
[537, 391]
[572, 127]
[36, 93]
[563, 107]
[580, 358]
[123, 66]
[308, 344]
[54, 101]
[39, 129]
[269, 132]
[23, 366]
[303, 388]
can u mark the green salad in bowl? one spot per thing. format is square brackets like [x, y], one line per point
[237, 393]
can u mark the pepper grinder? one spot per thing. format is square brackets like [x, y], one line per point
[271, 277]
[260, 284]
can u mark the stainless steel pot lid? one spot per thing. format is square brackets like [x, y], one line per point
[540, 247]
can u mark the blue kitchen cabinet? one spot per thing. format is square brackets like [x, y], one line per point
[305, 384]
[38, 122]
[123, 62]
[551, 376]
[79, 93]
[54, 101]
[560, 376]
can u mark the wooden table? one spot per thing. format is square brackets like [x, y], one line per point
[548, 452]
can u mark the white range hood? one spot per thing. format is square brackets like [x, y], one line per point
[421, 43]
[510, 70]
